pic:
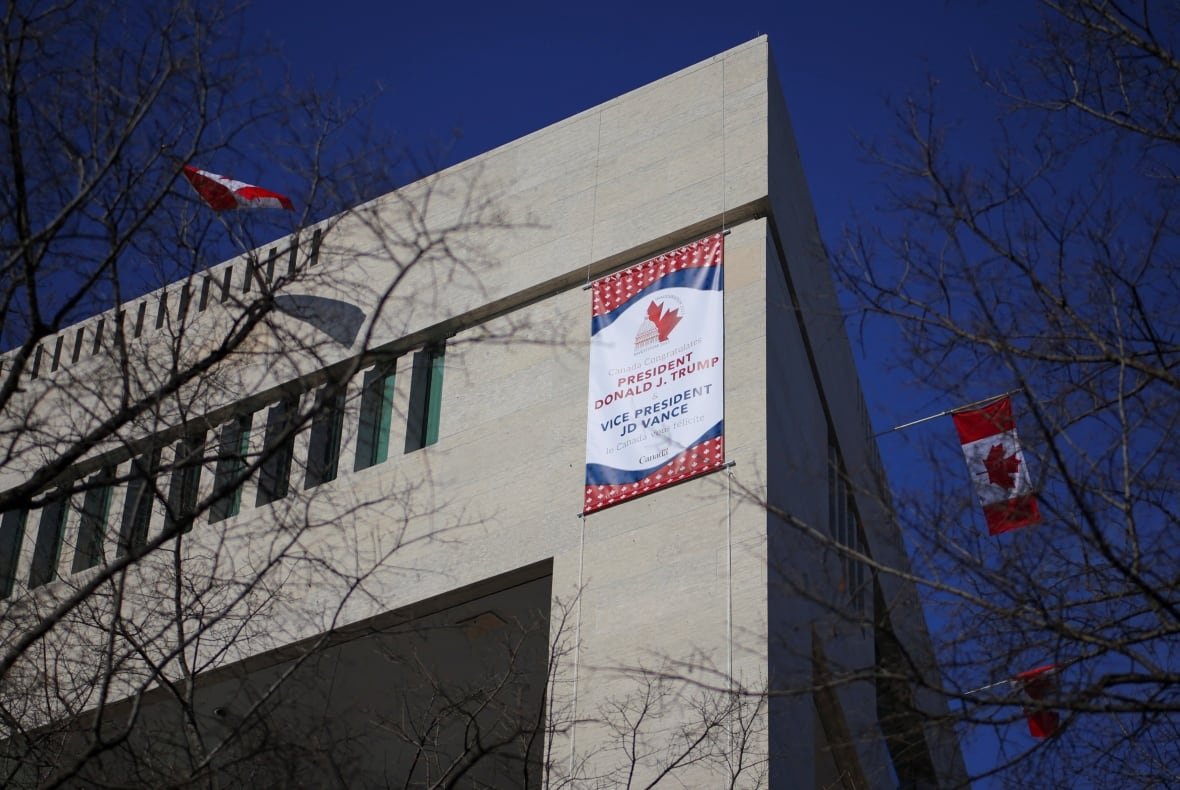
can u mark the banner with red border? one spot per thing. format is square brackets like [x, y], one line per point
[656, 411]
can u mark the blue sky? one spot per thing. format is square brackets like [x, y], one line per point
[493, 72]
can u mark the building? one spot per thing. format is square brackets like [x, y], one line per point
[352, 548]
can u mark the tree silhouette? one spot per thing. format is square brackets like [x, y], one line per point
[148, 396]
[1045, 262]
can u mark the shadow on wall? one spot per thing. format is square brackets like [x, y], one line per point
[339, 320]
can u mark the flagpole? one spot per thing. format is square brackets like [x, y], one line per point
[1022, 677]
[921, 420]
[1005, 682]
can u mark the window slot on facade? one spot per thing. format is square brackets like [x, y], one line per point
[270, 265]
[47, 550]
[323, 452]
[162, 310]
[78, 338]
[372, 441]
[314, 257]
[203, 302]
[425, 398]
[120, 319]
[844, 526]
[842, 514]
[98, 335]
[860, 570]
[226, 282]
[12, 533]
[833, 486]
[92, 526]
[184, 484]
[137, 509]
[56, 353]
[274, 472]
[139, 316]
[291, 261]
[232, 447]
[185, 298]
[36, 362]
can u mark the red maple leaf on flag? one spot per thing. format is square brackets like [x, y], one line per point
[1001, 467]
[664, 321]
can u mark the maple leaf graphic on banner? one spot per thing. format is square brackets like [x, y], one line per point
[664, 321]
[1001, 468]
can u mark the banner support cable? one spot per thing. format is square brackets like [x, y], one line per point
[577, 639]
[594, 202]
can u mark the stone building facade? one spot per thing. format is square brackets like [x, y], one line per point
[380, 487]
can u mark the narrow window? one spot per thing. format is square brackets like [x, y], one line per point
[98, 336]
[842, 518]
[270, 266]
[425, 398]
[833, 488]
[372, 441]
[203, 301]
[57, 353]
[137, 509]
[186, 296]
[849, 541]
[140, 314]
[232, 446]
[92, 527]
[861, 572]
[274, 473]
[323, 452]
[843, 524]
[47, 550]
[184, 484]
[316, 238]
[12, 533]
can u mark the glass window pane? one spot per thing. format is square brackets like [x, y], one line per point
[323, 452]
[832, 472]
[12, 533]
[232, 447]
[425, 398]
[92, 526]
[47, 550]
[137, 509]
[184, 486]
[274, 473]
[376, 416]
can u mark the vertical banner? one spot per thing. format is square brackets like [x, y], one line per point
[656, 411]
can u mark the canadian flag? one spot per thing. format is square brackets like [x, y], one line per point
[1038, 684]
[224, 194]
[997, 467]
